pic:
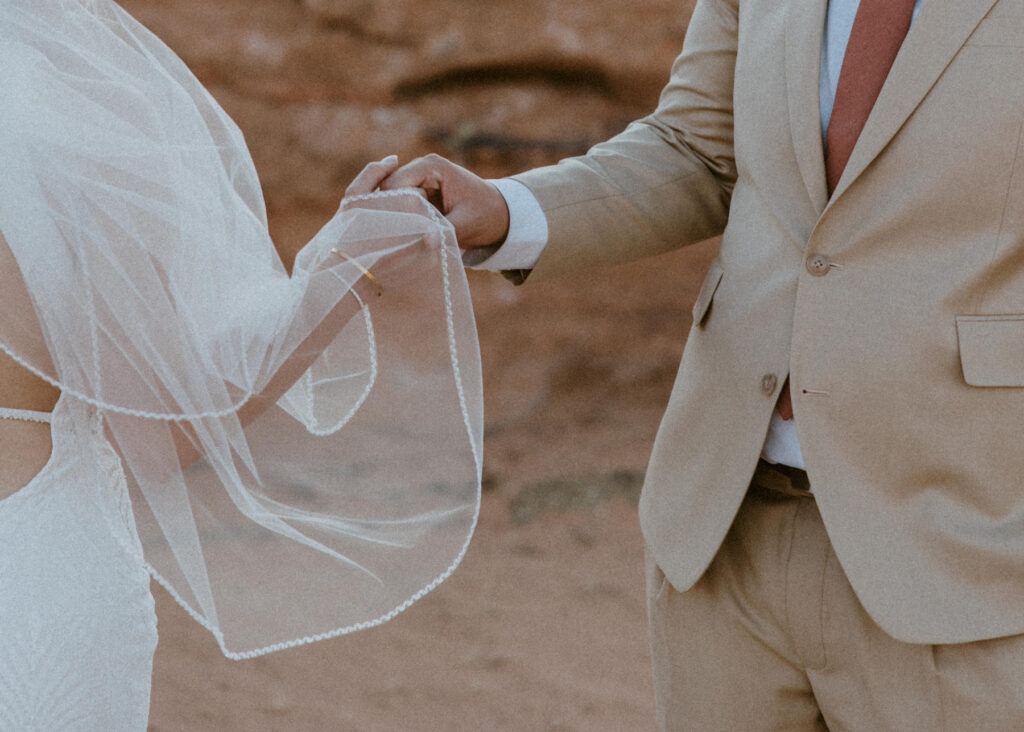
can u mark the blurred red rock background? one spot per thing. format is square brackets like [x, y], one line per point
[543, 626]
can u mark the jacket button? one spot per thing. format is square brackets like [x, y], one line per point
[768, 384]
[818, 265]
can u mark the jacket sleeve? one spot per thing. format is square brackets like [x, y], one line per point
[666, 180]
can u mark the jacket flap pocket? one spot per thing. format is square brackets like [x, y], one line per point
[707, 292]
[991, 349]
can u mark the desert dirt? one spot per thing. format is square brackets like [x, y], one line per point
[543, 626]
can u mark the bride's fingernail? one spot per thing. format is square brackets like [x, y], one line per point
[390, 160]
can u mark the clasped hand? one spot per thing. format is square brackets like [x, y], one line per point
[473, 206]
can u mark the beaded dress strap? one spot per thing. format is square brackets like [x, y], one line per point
[25, 415]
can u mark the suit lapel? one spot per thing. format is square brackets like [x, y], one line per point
[934, 39]
[805, 26]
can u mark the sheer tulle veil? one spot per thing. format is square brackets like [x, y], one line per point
[150, 293]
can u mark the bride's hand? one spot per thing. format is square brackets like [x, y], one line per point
[370, 177]
[401, 233]
[474, 207]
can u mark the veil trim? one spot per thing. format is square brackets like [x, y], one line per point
[433, 584]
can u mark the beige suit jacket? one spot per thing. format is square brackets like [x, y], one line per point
[896, 306]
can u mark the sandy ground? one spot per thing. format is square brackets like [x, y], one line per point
[543, 625]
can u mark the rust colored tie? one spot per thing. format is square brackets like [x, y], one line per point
[878, 32]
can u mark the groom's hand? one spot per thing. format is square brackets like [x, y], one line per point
[473, 206]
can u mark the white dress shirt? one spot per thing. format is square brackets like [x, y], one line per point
[528, 228]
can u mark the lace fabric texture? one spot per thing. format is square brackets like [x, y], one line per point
[137, 274]
[78, 620]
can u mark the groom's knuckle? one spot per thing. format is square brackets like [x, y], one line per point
[435, 162]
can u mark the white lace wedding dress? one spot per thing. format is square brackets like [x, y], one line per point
[76, 615]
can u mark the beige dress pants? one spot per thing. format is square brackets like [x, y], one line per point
[773, 638]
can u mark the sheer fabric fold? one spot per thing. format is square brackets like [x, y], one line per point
[303, 456]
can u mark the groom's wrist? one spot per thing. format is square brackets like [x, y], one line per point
[527, 232]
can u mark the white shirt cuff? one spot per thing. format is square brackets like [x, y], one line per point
[527, 232]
